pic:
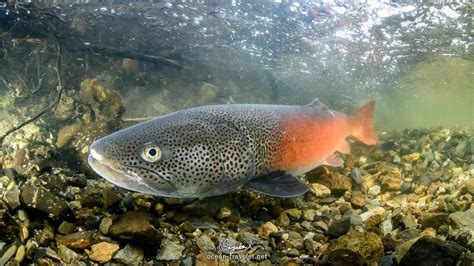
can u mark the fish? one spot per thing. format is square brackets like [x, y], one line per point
[217, 149]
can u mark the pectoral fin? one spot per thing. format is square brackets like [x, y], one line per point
[344, 147]
[278, 184]
[332, 160]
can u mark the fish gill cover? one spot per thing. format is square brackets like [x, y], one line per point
[74, 71]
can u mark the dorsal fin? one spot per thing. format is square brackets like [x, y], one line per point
[316, 103]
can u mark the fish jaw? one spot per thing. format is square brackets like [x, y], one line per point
[112, 172]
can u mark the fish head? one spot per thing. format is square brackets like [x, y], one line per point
[165, 157]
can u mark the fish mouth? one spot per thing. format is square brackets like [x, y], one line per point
[109, 170]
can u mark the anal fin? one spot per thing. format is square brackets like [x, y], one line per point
[332, 160]
[278, 184]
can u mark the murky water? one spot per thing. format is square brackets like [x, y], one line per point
[80, 70]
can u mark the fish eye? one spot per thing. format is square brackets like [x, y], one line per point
[151, 153]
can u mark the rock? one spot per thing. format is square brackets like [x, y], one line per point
[358, 199]
[339, 227]
[309, 214]
[20, 253]
[409, 221]
[74, 140]
[357, 176]
[368, 245]
[470, 185]
[374, 191]
[136, 226]
[411, 157]
[294, 213]
[283, 220]
[246, 238]
[132, 66]
[12, 196]
[8, 254]
[129, 255]
[79, 240]
[170, 251]
[105, 225]
[205, 243]
[408, 234]
[456, 171]
[373, 217]
[337, 183]
[321, 225]
[110, 197]
[66, 228]
[42, 200]
[341, 257]
[105, 102]
[392, 181]
[103, 251]
[208, 93]
[68, 255]
[432, 251]
[433, 220]
[463, 220]
[266, 229]
[223, 213]
[320, 191]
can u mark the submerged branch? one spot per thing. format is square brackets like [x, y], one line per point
[60, 89]
[110, 51]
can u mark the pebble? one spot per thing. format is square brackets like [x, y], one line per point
[66, 228]
[103, 251]
[391, 181]
[456, 171]
[339, 227]
[266, 229]
[358, 199]
[68, 255]
[470, 185]
[205, 243]
[463, 220]
[409, 221]
[170, 251]
[129, 255]
[320, 191]
[223, 213]
[105, 225]
[20, 253]
[368, 245]
[44, 201]
[137, 226]
[374, 191]
[7, 254]
[283, 220]
[110, 197]
[432, 251]
[12, 197]
[373, 217]
[159, 208]
[294, 213]
[309, 214]
[433, 220]
[79, 240]
[411, 157]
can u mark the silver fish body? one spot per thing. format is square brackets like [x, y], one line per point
[204, 151]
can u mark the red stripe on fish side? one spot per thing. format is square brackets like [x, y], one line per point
[307, 140]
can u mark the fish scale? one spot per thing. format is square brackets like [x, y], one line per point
[212, 150]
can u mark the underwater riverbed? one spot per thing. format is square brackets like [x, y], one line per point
[76, 72]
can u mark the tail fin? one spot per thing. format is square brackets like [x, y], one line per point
[363, 124]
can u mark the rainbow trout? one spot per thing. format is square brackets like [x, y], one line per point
[217, 149]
